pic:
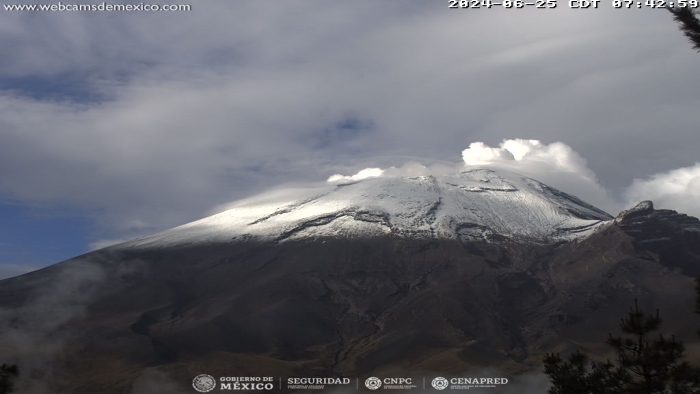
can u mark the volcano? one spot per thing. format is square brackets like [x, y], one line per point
[383, 276]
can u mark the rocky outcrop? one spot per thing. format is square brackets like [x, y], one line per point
[674, 237]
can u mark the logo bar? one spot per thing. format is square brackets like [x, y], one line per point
[205, 383]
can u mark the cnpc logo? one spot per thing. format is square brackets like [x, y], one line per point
[375, 383]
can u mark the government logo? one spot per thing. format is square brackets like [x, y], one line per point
[247, 383]
[440, 383]
[373, 383]
[204, 383]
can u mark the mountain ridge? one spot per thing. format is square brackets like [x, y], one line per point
[430, 206]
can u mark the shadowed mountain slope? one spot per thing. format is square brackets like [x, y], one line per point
[436, 276]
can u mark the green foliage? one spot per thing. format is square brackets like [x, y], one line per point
[572, 376]
[645, 364]
[687, 19]
[7, 375]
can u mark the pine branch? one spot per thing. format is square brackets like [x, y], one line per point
[7, 373]
[689, 24]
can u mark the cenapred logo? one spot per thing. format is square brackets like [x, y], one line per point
[440, 383]
[204, 383]
[373, 383]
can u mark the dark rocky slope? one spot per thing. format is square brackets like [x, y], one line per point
[343, 307]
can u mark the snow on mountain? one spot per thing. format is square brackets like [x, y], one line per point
[472, 204]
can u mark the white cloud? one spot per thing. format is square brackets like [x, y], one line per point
[36, 332]
[560, 166]
[362, 174]
[479, 153]
[677, 189]
[555, 164]
[522, 153]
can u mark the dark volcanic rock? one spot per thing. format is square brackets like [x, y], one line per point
[673, 236]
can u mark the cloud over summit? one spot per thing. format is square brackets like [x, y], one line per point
[527, 154]
[559, 165]
[556, 164]
[362, 174]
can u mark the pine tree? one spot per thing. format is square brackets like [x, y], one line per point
[688, 22]
[646, 364]
[7, 374]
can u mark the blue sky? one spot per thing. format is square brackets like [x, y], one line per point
[35, 238]
[117, 125]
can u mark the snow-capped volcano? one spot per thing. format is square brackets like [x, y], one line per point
[452, 272]
[470, 204]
